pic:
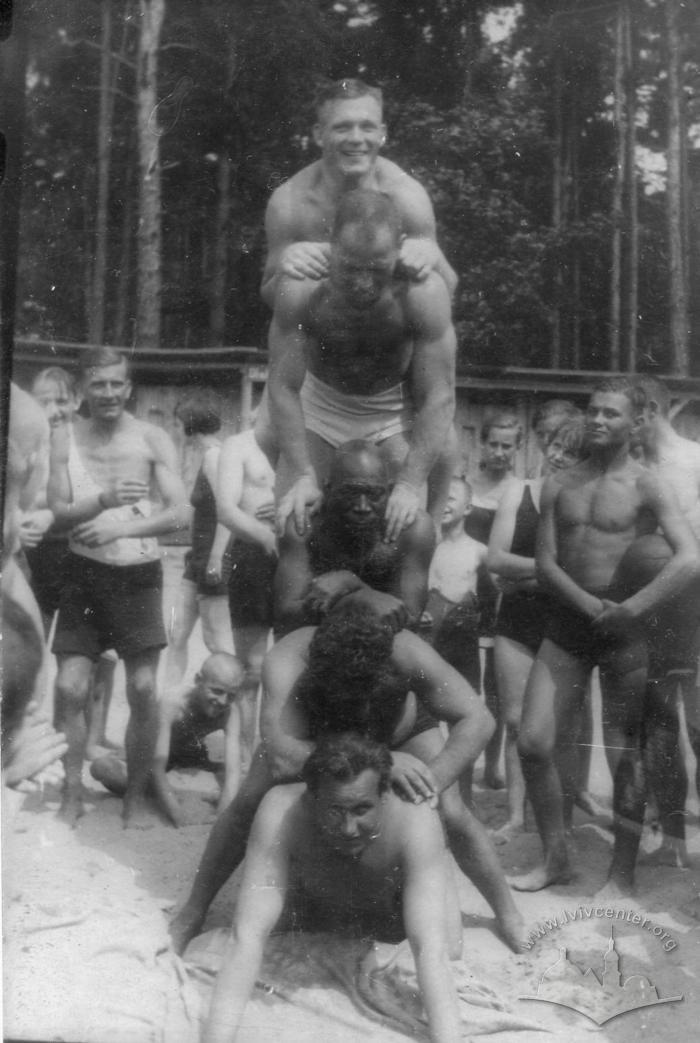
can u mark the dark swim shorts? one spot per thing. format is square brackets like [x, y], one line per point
[250, 586]
[110, 606]
[522, 617]
[574, 633]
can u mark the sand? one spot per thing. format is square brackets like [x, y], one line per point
[86, 911]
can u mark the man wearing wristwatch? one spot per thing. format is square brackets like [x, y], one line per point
[103, 473]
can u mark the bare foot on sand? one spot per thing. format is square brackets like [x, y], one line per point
[671, 852]
[72, 809]
[136, 814]
[614, 891]
[555, 870]
[184, 927]
[512, 930]
[507, 832]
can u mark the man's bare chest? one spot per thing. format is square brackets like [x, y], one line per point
[606, 504]
[120, 457]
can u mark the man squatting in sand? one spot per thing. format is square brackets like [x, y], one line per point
[353, 674]
[343, 853]
[343, 558]
[590, 515]
[187, 716]
[102, 471]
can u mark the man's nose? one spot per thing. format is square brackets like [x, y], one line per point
[363, 505]
[348, 826]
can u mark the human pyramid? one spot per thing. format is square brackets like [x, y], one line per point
[345, 522]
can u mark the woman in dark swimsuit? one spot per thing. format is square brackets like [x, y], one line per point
[519, 627]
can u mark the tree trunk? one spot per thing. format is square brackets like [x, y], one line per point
[674, 192]
[632, 201]
[149, 289]
[124, 269]
[220, 269]
[557, 197]
[104, 142]
[618, 192]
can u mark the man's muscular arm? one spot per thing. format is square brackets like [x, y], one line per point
[420, 253]
[450, 698]
[681, 570]
[283, 724]
[288, 341]
[261, 901]
[289, 253]
[432, 380]
[424, 888]
[292, 583]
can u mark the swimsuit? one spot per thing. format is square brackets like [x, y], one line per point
[523, 613]
[204, 522]
[250, 587]
[338, 418]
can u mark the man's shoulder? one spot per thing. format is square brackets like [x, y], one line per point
[287, 196]
[397, 183]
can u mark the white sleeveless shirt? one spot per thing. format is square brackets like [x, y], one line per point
[127, 550]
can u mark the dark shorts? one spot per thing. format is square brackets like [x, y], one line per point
[196, 572]
[48, 564]
[573, 633]
[110, 606]
[522, 617]
[455, 634]
[250, 586]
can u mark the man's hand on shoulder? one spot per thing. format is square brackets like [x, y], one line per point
[300, 502]
[413, 780]
[401, 509]
[305, 260]
[418, 257]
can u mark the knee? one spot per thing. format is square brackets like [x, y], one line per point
[141, 691]
[533, 748]
[72, 692]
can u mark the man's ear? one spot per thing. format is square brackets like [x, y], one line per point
[317, 131]
[384, 134]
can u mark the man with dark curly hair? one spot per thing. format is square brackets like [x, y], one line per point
[354, 674]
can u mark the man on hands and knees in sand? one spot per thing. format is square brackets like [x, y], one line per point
[363, 354]
[672, 636]
[102, 472]
[245, 501]
[187, 717]
[352, 673]
[340, 852]
[590, 515]
[350, 132]
[342, 558]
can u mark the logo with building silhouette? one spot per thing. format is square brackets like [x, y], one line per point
[598, 998]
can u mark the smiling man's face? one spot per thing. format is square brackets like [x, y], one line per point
[350, 133]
